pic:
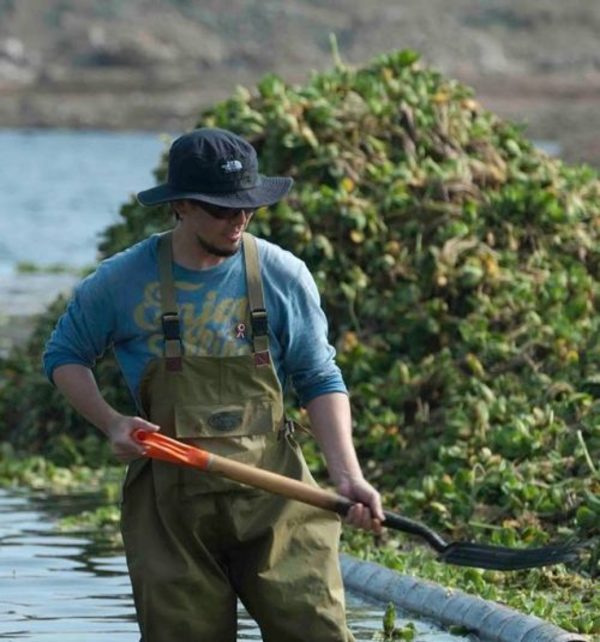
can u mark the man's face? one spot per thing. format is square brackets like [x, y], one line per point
[218, 230]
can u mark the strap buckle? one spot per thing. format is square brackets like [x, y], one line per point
[170, 326]
[172, 335]
[258, 321]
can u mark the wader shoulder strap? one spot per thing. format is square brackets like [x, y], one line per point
[168, 303]
[256, 301]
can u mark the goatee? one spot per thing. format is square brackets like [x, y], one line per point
[217, 251]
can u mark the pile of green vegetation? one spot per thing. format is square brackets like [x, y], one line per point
[459, 268]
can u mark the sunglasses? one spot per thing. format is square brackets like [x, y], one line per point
[224, 213]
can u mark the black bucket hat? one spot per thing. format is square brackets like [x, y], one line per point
[216, 166]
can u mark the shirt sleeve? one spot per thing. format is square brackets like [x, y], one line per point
[308, 357]
[85, 330]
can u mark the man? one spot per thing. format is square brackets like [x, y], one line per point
[208, 325]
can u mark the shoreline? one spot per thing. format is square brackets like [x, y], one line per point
[548, 106]
[23, 297]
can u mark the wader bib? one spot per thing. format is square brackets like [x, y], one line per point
[194, 542]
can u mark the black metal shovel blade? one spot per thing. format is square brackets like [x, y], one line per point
[501, 558]
[489, 556]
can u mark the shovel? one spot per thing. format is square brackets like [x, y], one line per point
[470, 554]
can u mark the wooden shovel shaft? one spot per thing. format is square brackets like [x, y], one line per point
[162, 447]
[278, 484]
[303, 492]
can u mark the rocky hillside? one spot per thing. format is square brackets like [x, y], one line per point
[153, 64]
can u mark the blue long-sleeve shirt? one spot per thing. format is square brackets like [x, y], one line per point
[118, 306]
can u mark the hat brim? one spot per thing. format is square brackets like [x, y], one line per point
[268, 191]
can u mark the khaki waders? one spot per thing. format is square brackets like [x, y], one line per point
[193, 542]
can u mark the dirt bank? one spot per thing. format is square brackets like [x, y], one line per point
[153, 64]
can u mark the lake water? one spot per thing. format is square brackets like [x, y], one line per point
[59, 189]
[74, 588]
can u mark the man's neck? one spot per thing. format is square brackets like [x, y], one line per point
[188, 252]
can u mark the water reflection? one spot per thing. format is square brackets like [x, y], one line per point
[59, 588]
[49, 583]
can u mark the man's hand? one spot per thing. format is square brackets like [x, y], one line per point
[367, 513]
[119, 433]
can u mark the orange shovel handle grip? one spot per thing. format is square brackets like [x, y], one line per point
[166, 449]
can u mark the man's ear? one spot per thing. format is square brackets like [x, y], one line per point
[179, 208]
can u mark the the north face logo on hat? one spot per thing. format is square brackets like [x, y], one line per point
[232, 166]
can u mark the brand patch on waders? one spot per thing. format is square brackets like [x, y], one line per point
[226, 420]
